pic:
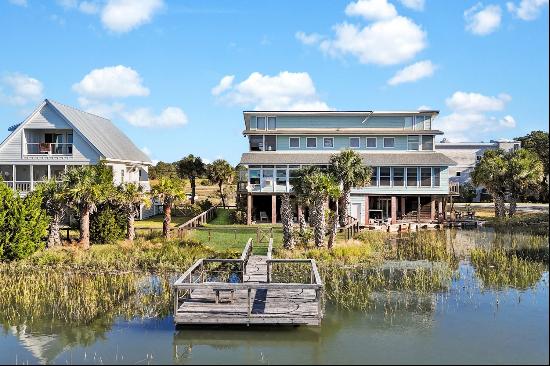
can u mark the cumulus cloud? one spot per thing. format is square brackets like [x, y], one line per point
[308, 39]
[285, 91]
[472, 115]
[417, 5]
[124, 15]
[224, 84]
[414, 72]
[20, 89]
[111, 82]
[371, 9]
[527, 9]
[483, 20]
[144, 117]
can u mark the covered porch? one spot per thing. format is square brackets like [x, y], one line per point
[370, 209]
[24, 177]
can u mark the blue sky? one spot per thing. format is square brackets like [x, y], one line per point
[176, 75]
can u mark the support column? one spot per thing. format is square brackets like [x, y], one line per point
[31, 173]
[393, 210]
[403, 211]
[367, 211]
[273, 209]
[418, 208]
[248, 209]
[299, 212]
[440, 205]
[13, 173]
[432, 208]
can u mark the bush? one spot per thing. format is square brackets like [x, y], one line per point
[23, 224]
[107, 225]
[187, 210]
[205, 204]
[237, 217]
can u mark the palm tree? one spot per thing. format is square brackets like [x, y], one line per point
[334, 192]
[286, 219]
[525, 170]
[220, 172]
[348, 169]
[168, 191]
[191, 167]
[88, 186]
[130, 197]
[491, 173]
[301, 194]
[54, 202]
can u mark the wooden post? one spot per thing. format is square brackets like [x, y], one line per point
[440, 206]
[249, 309]
[403, 204]
[367, 209]
[249, 209]
[393, 210]
[235, 234]
[209, 235]
[273, 209]
[271, 232]
[432, 208]
[299, 212]
[418, 208]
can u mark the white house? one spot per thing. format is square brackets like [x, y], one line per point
[56, 137]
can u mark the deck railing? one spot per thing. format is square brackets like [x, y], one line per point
[46, 148]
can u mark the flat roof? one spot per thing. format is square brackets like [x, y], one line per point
[340, 113]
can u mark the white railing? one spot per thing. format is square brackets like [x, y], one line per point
[454, 188]
[46, 148]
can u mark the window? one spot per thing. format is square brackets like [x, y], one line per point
[437, 177]
[260, 122]
[408, 123]
[328, 142]
[371, 142]
[385, 176]
[427, 123]
[311, 142]
[122, 176]
[478, 158]
[70, 142]
[292, 176]
[256, 143]
[398, 177]
[253, 124]
[427, 142]
[458, 174]
[412, 177]
[268, 177]
[426, 177]
[389, 142]
[374, 178]
[354, 142]
[271, 123]
[413, 142]
[270, 142]
[280, 179]
[294, 142]
[254, 175]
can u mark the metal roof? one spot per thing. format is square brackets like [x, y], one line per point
[110, 141]
[370, 159]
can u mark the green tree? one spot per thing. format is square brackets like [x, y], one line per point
[107, 224]
[300, 189]
[162, 169]
[55, 204]
[467, 192]
[87, 187]
[524, 171]
[220, 172]
[191, 167]
[168, 191]
[538, 143]
[130, 197]
[491, 172]
[348, 169]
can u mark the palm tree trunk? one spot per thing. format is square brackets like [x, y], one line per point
[130, 230]
[84, 240]
[319, 222]
[345, 203]
[513, 206]
[286, 218]
[167, 208]
[54, 238]
[334, 227]
[193, 187]
[221, 195]
[500, 208]
[302, 220]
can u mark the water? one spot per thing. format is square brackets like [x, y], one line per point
[470, 322]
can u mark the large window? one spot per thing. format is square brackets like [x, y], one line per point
[408, 123]
[271, 123]
[293, 176]
[412, 177]
[426, 177]
[311, 142]
[256, 143]
[270, 143]
[385, 176]
[413, 142]
[328, 142]
[427, 142]
[354, 142]
[39, 173]
[260, 123]
[374, 178]
[423, 122]
[389, 142]
[437, 177]
[371, 142]
[254, 176]
[280, 179]
[398, 177]
[268, 178]
[294, 142]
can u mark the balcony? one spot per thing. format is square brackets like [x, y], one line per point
[47, 148]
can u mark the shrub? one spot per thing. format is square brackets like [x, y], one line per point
[237, 217]
[205, 204]
[107, 225]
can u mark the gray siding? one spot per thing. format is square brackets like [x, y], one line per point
[47, 118]
[342, 142]
[284, 122]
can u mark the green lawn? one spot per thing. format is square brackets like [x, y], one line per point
[155, 222]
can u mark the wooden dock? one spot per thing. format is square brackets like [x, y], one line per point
[246, 293]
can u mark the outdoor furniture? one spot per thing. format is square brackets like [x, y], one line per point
[263, 216]
[217, 294]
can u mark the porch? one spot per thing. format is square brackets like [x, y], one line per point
[24, 177]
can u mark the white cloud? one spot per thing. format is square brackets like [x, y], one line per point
[285, 91]
[527, 9]
[424, 107]
[111, 82]
[143, 117]
[385, 42]
[483, 20]
[414, 72]
[19, 2]
[308, 39]
[417, 5]
[88, 7]
[475, 102]
[371, 9]
[470, 119]
[146, 150]
[101, 108]
[122, 16]
[21, 89]
[225, 83]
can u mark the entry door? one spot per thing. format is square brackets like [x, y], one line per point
[385, 204]
[356, 210]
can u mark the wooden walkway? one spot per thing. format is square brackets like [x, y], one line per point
[256, 299]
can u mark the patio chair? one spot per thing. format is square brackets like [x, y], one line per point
[263, 216]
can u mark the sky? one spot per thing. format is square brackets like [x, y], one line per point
[175, 76]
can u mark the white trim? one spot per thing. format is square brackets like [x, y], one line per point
[309, 147]
[384, 143]
[354, 137]
[328, 137]
[375, 142]
[299, 142]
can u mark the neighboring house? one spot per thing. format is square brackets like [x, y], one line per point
[56, 137]
[468, 154]
[410, 177]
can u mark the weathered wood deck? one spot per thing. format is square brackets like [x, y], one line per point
[257, 300]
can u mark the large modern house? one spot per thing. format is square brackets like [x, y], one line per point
[56, 137]
[410, 177]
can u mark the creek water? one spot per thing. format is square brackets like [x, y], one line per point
[473, 320]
